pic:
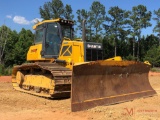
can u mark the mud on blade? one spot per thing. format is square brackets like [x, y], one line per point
[109, 82]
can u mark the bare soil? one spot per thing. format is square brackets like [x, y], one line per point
[21, 106]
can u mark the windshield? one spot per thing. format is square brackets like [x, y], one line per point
[67, 31]
[39, 35]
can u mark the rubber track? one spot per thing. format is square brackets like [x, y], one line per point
[59, 73]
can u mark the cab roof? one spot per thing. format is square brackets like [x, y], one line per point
[53, 20]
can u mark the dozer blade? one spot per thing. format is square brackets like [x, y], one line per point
[109, 82]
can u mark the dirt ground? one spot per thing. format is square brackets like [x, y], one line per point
[20, 106]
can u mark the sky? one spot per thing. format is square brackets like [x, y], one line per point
[18, 14]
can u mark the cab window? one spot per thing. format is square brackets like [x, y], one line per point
[67, 31]
[39, 35]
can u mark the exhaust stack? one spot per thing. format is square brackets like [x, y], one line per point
[83, 31]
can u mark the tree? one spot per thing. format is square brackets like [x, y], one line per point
[157, 19]
[139, 18]
[97, 16]
[25, 40]
[150, 41]
[84, 15]
[94, 19]
[108, 47]
[68, 12]
[81, 15]
[45, 11]
[55, 9]
[9, 57]
[117, 24]
[4, 32]
[153, 56]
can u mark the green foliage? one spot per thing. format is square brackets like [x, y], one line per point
[5, 71]
[82, 15]
[130, 57]
[153, 56]
[146, 43]
[10, 46]
[155, 69]
[1, 69]
[4, 37]
[68, 12]
[108, 47]
[97, 16]
[139, 19]
[56, 9]
[17, 46]
[157, 19]
[22, 45]
[94, 20]
[117, 22]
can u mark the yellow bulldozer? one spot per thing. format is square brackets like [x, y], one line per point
[59, 66]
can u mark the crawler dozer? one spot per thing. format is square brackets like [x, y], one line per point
[60, 66]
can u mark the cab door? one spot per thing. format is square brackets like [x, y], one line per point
[51, 44]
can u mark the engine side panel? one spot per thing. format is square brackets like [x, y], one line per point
[34, 53]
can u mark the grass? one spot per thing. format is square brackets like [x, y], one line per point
[5, 71]
[155, 69]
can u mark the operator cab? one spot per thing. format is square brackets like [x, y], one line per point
[50, 34]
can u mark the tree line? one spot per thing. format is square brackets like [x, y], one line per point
[119, 30]
[13, 47]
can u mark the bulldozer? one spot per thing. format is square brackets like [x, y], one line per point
[60, 66]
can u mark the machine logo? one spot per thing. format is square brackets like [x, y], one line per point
[94, 46]
[34, 50]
